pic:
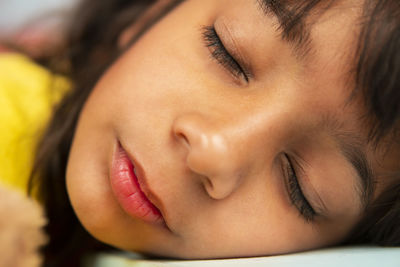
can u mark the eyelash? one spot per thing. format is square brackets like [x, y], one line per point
[295, 193]
[221, 54]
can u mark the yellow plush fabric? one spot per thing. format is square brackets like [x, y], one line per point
[28, 93]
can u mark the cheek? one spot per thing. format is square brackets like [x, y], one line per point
[136, 95]
[143, 79]
[87, 176]
[256, 220]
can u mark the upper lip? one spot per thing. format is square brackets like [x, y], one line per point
[144, 186]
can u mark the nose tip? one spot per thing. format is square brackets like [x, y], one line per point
[210, 154]
[206, 146]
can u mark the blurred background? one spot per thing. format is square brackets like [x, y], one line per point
[15, 14]
[35, 25]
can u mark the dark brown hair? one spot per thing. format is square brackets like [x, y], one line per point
[92, 45]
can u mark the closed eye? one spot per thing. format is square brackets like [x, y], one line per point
[295, 191]
[218, 51]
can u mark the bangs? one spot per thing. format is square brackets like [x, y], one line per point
[376, 71]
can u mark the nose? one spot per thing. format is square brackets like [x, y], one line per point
[213, 152]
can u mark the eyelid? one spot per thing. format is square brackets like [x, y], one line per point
[219, 53]
[309, 191]
[231, 44]
[295, 190]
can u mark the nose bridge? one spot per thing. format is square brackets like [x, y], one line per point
[212, 151]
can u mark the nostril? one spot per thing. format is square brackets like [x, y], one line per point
[219, 189]
[182, 138]
[182, 129]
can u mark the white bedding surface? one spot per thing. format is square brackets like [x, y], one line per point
[333, 257]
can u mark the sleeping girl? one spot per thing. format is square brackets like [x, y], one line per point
[205, 129]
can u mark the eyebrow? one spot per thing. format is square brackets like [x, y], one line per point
[292, 28]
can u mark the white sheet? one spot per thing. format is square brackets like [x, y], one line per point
[333, 257]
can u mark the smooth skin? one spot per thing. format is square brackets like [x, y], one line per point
[212, 145]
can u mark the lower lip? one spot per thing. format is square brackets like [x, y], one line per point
[127, 189]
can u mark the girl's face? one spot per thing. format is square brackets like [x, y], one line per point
[242, 143]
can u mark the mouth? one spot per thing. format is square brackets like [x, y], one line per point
[128, 183]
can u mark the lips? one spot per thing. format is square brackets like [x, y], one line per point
[128, 184]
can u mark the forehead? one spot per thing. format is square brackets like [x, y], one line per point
[322, 37]
[327, 30]
[327, 69]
